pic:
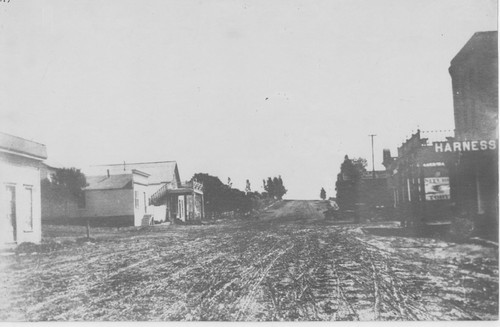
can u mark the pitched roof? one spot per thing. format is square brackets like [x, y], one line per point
[160, 171]
[22, 146]
[112, 182]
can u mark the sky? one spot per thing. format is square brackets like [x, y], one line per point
[239, 89]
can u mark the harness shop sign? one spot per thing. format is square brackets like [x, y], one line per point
[466, 146]
[437, 188]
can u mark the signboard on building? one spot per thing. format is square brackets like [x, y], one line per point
[466, 146]
[437, 188]
[378, 174]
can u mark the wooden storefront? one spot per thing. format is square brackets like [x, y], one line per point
[185, 203]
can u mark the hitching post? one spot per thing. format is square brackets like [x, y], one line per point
[88, 228]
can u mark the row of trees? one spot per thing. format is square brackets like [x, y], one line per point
[274, 187]
[220, 197]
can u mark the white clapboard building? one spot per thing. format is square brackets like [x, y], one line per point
[20, 219]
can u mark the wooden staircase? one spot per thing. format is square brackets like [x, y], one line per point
[147, 220]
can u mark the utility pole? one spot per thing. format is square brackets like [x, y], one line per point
[373, 156]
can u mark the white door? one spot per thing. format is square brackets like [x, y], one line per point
[9, 224]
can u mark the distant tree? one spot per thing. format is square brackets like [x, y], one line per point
[65, 183]
[248, 188]
[213, 190]
[269, 187]
[322, 194]
[280, 189]
[221, 198]
[348, 181]
[72, 179]
[359, 165]
[274, 187]
[283, 189]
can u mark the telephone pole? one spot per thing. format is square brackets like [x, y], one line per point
[373, 156]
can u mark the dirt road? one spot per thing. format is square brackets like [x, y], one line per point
[290, 264]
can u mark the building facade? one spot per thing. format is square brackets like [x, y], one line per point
[20, 209]
[456, 176]
[120, 199]
[474, 79]
[166, 196]
[420, 182]
[474, 76]
[128, 194]
[365, 193]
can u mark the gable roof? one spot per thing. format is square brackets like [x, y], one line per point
[112, 182]
[22, 146]
[160, 171]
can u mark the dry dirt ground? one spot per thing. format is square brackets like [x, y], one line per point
[290, 264]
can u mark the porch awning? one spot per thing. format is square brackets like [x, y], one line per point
[181, 191]
[158, 198]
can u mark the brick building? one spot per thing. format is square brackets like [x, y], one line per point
[457, 176]
[474, 75]
[420, 182]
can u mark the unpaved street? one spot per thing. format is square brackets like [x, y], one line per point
[290, 264]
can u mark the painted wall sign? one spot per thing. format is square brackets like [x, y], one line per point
[466, 146]
[437, 188]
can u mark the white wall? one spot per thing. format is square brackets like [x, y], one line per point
[22, 173]
[141, 206]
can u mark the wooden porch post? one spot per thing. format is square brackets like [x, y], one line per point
[185, 208]
[202, 206]
[170, 212]
[194, 204]
[167, 209]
